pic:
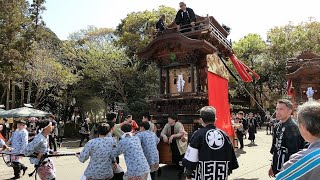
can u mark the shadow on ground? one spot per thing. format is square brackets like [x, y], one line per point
[251, 145]
[239, 152]
[169, 172]
[75, 147]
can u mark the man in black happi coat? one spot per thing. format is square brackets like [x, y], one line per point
[185, 17]
[286, 137]
[210, 154]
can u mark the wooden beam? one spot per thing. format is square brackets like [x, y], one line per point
[167, 81]
[192, 76]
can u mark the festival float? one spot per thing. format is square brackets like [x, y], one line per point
[192, 74]
[302, 75]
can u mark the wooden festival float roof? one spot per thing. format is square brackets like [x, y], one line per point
[304, 71]
[207, 38]
[172, 42]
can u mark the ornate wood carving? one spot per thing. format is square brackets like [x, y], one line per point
[304, 67]
[175, 47]
[303, 71]
[186, 105]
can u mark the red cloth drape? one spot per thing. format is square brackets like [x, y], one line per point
[243, 69]
[1, 137]
[218, 98]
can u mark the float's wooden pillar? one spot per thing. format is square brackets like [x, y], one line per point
[192, 76]
[167, 81]
[160, 81]
[299, 92]
[198, 78]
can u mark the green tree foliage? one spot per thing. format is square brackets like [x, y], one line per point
[251, 50]
[36, 9]
[289, 40]
[47, 74]
[286, 42]
[107, 72]
[12, 29]
[136, 30]
[30, 56]
[269, 59]
[12, 16]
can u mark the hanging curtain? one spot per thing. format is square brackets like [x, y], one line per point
[218, 98]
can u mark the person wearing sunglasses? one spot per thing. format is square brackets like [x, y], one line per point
[185, 18]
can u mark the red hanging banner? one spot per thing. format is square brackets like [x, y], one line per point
[218, 98]
[243, 69]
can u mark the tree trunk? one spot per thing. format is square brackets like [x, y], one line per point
[22, 93]
[3, 95]
[260, 94]
[29, 92]
[13, 95]
[37, 97]
[252, 102]
[8, 95]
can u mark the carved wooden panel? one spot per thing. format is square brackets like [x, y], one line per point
[303, 70]
[174, 79]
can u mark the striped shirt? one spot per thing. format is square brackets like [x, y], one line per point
[302, 165]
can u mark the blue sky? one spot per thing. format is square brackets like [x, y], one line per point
[243, 16]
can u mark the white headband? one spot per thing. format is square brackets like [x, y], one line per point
[50, 123]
